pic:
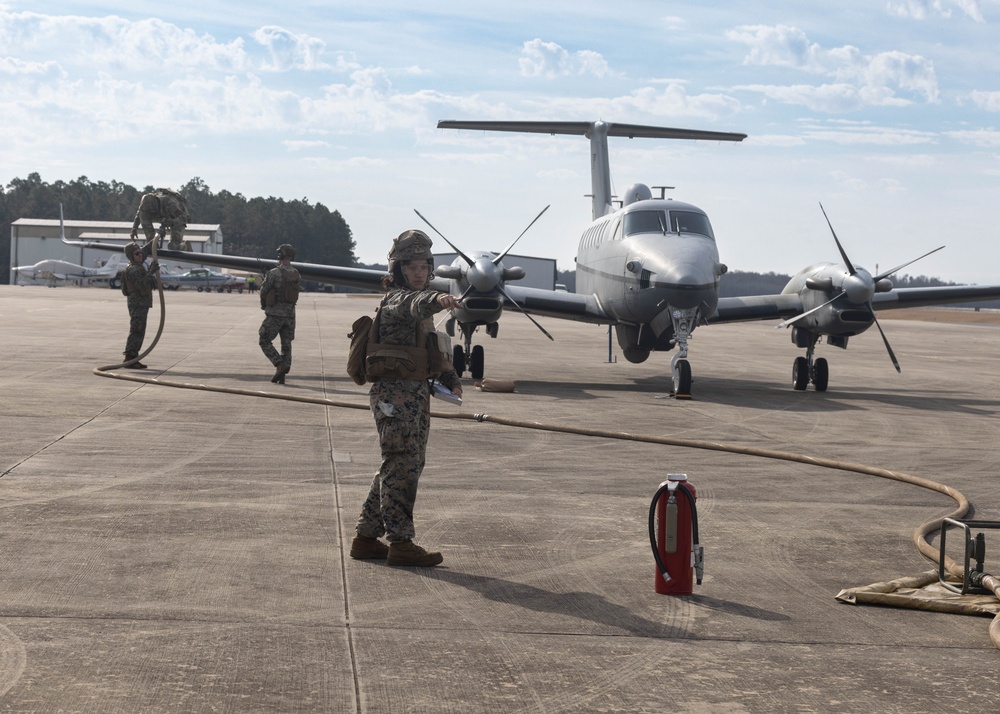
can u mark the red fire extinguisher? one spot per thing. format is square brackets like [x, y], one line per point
[673, 536]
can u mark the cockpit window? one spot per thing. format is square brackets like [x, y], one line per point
[645, 222]
[690, 222]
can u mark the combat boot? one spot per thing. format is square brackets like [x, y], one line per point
[409, 553]
[365, 548]
[279, 373]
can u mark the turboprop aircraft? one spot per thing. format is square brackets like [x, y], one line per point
[63, 271]
[650, 268]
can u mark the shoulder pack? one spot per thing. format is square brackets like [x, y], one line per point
[359, 336]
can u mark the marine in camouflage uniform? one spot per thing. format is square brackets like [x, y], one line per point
[401, 408]
[169, 209]
[138, 283]
[278, 294]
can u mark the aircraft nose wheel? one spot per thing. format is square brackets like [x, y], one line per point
[819, 374]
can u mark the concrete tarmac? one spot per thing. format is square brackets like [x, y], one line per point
[168, 550]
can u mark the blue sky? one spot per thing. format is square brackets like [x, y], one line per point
[885, 112]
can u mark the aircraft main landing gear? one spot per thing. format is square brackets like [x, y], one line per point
[476, 361]
[806, 370]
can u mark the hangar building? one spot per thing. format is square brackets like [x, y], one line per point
[36, 239]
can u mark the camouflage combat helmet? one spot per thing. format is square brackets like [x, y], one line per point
[285, 250]
[411, 245]
[130, 249]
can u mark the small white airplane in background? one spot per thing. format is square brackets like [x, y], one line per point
[62, 271]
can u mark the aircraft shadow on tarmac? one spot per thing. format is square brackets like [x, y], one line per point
[767, 395]
[759, 395]
[584, 605]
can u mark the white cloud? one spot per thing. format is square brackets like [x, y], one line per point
[924, 9]
[989, 138]
[549, 60]
[113, 42]
[860, 134]
[292, 145]
[858, 79]
[290, 51]
[990, 101]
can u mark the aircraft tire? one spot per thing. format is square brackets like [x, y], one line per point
[200, 288]
[821, 374]
[478, 362]
[683, 380]
[115, 283]
[800, 374]
[458, 360]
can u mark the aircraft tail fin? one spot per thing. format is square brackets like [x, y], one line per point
[598, 133]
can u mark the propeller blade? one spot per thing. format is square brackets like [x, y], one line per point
[535, 322]
[843, 253]
[892, 356]
[789, 321]
[453, 247]
[887, 273]
[496, 261]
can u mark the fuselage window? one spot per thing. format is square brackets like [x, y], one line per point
[689, 222]
[644, 222]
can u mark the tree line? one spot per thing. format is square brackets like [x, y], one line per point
[252, 227]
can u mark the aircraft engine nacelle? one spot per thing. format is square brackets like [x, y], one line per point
[449, 272]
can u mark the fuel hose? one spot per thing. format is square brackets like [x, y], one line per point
[919, 536]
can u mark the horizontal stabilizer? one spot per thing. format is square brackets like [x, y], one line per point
[583, 128]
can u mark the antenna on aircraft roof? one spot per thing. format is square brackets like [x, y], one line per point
[664, 189]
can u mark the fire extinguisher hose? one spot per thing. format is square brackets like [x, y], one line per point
[652, 524]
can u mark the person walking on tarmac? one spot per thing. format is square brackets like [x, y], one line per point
[169, 209]
[278, 294]
[400, 403]
[138, 284]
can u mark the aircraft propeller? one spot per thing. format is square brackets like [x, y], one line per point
[859, 287]
[485, 274]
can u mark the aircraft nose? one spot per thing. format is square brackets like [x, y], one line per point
[689, 284]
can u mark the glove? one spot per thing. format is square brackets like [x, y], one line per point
[154, 267]
[134, 235]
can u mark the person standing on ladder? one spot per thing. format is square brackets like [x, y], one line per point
[169, 209]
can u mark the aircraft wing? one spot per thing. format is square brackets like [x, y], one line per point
[943, 295]
[363, 278]
[756, 307]
[784, 306]
[557, 303]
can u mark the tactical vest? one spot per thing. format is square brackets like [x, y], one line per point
[287, 289]
[430, 358]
